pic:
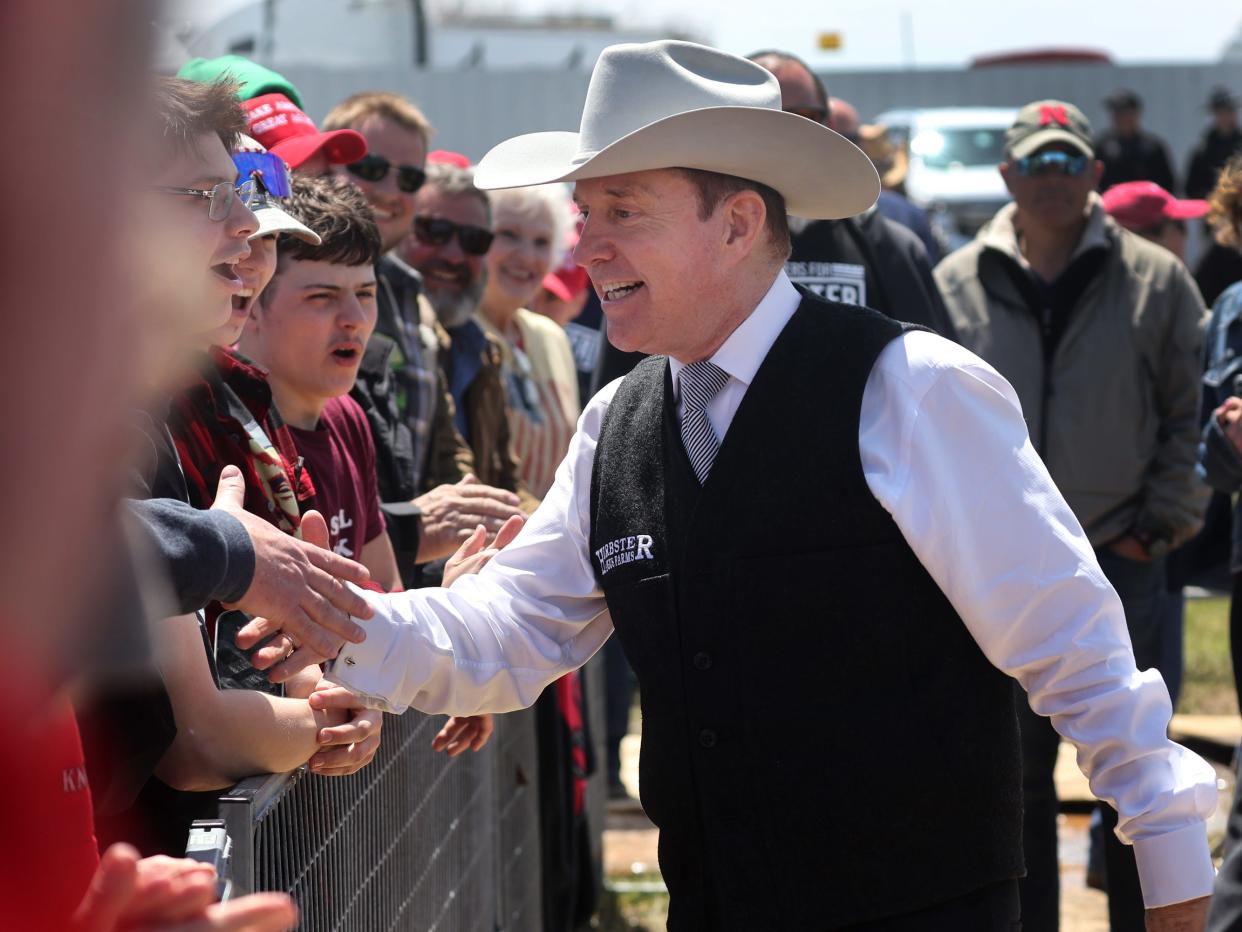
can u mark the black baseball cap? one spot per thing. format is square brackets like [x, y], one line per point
[1123, 99]
[1046, 121]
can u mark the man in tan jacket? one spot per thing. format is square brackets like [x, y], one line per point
[1099, 332]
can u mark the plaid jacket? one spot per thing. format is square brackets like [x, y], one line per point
[227, 418]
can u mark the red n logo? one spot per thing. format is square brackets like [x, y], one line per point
[1050, 113]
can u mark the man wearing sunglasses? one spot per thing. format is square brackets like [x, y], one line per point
[423, 462]
[1099, 331]
[451, 235]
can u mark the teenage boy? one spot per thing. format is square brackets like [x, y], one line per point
[418, 447]
[309, 333]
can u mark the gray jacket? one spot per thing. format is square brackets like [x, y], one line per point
[1114, 411]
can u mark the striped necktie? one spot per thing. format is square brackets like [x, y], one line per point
[700, 382]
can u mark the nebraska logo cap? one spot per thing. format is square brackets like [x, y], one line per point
[1048, 121]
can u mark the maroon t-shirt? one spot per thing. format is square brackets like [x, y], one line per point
[339, 454]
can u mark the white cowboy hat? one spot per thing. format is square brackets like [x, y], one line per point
[679, 105]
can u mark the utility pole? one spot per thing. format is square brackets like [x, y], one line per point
[907, 38]
[418, 12]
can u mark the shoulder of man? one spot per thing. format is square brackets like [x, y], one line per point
[344, 415]
[1144, 258]
[959, 267]
[892, 234]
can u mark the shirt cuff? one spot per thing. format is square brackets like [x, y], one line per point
[368, 669]
[1175, 867]
[238, 553]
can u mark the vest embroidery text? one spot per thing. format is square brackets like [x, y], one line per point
[624, 550]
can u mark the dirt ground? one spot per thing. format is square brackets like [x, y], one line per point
[630, 865]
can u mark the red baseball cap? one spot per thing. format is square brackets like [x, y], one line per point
[567, 282]
[445, 157]
[282, 128]
[1141, 205]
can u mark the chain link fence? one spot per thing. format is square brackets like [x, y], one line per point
[415, 840]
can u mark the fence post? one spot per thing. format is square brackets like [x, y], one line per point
[237, 812]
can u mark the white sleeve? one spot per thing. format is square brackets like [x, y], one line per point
[945, 450]
[493, 641]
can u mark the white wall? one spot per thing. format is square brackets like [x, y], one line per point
[473, 110]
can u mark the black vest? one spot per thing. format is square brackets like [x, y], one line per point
[823, 741]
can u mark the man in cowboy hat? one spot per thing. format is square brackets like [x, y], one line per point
[812, 528]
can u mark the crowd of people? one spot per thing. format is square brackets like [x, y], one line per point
[352, 371]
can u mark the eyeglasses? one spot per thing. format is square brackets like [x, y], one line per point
[221, 196]
[814, 114]
[436, 231]
[374, 168]
[1051, 163]
[269, 168]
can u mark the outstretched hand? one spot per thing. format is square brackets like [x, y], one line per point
[449, 512]
[463, 733]
[476, 552]
[292, 654]
[298, 585]
[349, 747]
[163, 894]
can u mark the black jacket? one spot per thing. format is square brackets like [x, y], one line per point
[1141, 157]
[1212, 152]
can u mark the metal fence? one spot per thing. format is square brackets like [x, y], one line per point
[415, 840]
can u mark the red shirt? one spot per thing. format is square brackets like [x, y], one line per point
[339, 454]
[49, 852]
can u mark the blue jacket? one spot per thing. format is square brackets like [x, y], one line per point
[1220, 464]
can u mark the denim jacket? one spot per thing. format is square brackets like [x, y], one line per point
[1220, 464]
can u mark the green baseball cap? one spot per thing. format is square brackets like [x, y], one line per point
[253, 78]
[1046, 121]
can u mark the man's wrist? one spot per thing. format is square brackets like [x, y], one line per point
[239, 556]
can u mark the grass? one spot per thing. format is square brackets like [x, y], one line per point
[1207, 688]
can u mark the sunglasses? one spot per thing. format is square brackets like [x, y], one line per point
[375, 168]
[221, 196]
[436, 231]
[814, 114]
[270, 169]
[1052, 163]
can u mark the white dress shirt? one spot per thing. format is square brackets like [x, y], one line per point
[945, 451]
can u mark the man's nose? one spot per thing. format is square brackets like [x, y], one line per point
[591, 247]
[241, 220]
[352, 315]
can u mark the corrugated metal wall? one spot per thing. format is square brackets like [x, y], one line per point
[473, 110]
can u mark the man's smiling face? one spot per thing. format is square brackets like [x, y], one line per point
[452, 278]
[220, 244]
[652, 260]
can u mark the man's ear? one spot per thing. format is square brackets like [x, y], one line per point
[745, 216]
[1005, 168]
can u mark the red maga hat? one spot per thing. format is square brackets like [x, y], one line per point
[281, 127]
[1141, 205]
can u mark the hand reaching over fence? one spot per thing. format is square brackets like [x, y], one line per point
[463, 733]
[298, 584]
[163, 894]
[349, 747]
[475, 553]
